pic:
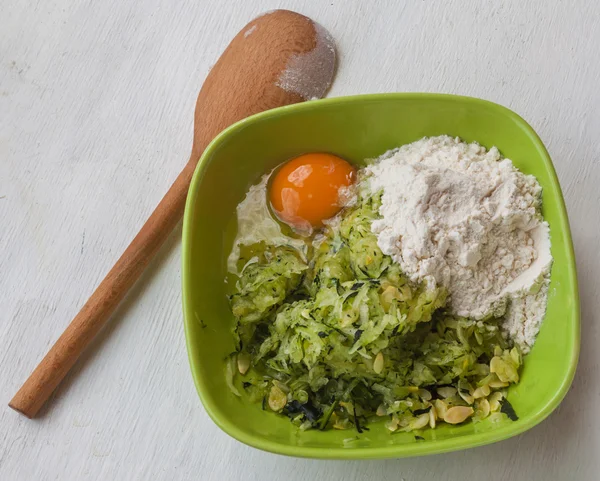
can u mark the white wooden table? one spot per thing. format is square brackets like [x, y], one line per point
[96, 103]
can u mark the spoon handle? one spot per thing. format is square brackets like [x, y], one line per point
[96, 311]
[244, 81]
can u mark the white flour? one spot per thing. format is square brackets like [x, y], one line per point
[310, 74]
[525, 314]
[457, 215]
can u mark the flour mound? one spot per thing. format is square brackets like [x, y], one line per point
[457, 215]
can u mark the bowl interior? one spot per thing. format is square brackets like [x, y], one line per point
[357, 128]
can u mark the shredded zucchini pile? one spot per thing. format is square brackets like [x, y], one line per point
[344, 337]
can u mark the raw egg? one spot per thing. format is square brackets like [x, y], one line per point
[306, 190]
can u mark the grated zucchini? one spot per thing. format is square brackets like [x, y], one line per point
[344, 337]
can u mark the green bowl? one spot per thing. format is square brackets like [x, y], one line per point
[357, 128]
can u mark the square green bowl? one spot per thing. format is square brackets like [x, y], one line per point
[356, 128]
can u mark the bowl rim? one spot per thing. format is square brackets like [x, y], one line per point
[395, 450]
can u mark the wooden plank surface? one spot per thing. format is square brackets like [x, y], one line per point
[96, 108]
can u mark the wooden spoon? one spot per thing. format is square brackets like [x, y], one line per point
[279, 58]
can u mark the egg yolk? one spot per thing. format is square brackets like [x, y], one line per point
[306, 190]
